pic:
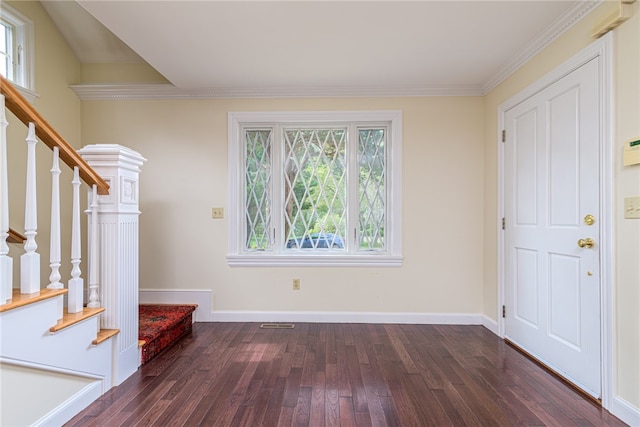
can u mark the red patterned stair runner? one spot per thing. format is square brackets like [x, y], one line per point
[162, 325]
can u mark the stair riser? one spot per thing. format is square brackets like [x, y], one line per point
[24, 335]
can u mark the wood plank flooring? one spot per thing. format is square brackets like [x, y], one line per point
[236, 374]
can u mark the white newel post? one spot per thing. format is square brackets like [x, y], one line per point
[118, 215]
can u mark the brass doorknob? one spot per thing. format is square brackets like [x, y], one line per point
[586, 243]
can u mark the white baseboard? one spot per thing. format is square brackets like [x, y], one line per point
[346, 317]
[204, 312]
[73, 406]
[625, 411]
[44, 380]
[490, 324]
[180, 296]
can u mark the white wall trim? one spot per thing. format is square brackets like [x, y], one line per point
[625, 411]
[347, 317]
[284, 260]
[603, 49]
[561, 25]
[167, 91]
[72, 406]
[490, 324]
[75, 403]
[202, 297]
[104, 92]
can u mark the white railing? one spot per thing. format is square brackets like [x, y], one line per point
[30, 281]
[112, 232]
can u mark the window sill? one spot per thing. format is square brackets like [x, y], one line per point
[29, 95]
[288, 260]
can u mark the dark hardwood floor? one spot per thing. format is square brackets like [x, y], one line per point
[236, 374]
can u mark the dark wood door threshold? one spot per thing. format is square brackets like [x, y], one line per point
[587, 396]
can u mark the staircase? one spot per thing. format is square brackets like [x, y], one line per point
[47, 374]
[65, 342]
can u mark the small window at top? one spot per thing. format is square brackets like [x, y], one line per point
[16, 47]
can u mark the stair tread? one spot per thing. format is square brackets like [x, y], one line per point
[105, 334]
[69, 319]
[162, 325]
[20, 300]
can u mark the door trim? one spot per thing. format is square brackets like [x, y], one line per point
[602, 48]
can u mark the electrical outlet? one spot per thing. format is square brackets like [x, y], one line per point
[296, 284]
[217, 213]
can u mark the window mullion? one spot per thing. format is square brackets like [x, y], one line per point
[277, 193]
[352, 189]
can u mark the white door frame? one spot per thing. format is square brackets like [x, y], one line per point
[603, 49]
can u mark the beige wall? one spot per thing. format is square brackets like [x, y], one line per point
[626, 182]
[185, 143]
[56, 68]
[627, 231]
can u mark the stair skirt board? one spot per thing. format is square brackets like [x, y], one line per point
[161, 326]
[40, 395]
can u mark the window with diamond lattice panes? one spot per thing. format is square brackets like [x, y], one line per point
[371, 188]
[258, 186]
[315, 188]
[314, 177]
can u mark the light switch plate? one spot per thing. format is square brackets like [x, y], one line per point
[217, 213]
[632, 207]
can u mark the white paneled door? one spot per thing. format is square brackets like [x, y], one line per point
[552, 229]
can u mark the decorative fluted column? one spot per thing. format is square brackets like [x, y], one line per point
[117, 225]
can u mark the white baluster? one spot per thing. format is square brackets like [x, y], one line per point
[54, 248]
[76, 284]
[6, 263]
[94, 299]
[30, 261]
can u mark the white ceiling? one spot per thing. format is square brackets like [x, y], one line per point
[303, 45]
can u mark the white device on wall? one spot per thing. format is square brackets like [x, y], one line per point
[632, 152]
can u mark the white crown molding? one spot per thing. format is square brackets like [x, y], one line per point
[562, 24]
[102, 92]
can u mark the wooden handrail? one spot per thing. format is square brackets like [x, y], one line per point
[26, 113]
[15, 237]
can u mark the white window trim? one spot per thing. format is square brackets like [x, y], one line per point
[236, 256]
[24, 79]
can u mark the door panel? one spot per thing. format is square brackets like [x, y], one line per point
[526, 303]
[564, 150]
[552, 286]
[564, 299]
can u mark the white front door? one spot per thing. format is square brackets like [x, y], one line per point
[552, 203]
